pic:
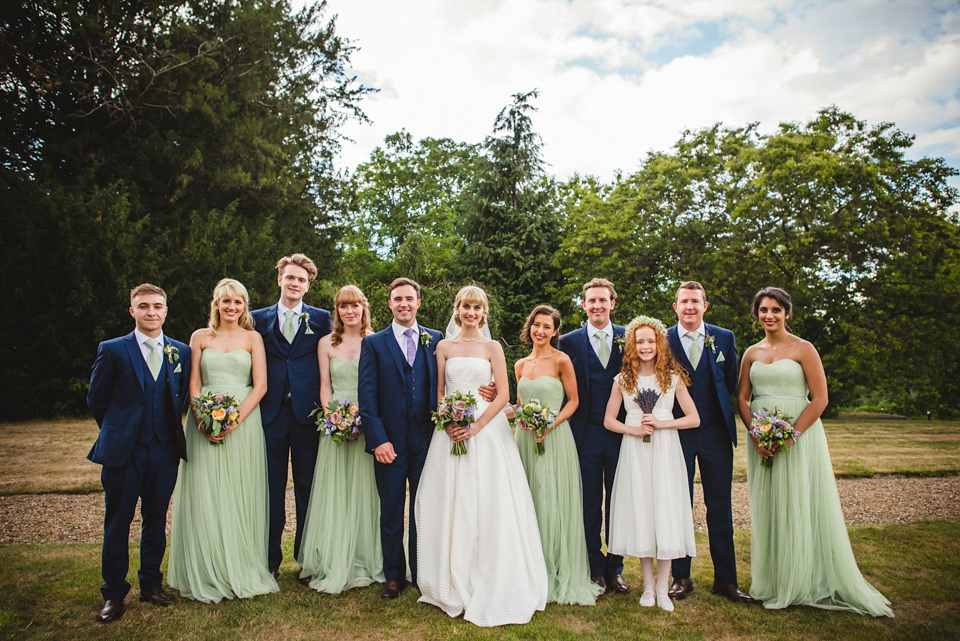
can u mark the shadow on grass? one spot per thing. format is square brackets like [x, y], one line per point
[50, 592]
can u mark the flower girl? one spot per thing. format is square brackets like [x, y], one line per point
[650, 513]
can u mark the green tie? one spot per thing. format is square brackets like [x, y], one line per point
[603, 350]
[154, 362]
[289, 331]
[694, 348]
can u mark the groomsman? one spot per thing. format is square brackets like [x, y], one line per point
[138, 389]
[291, 330]
[397, 389]
[596, 361]
[709, 353]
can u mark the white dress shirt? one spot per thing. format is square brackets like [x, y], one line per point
[282, 315]
[596, 341]
[144, 350]
[686, 341]
[398, 331]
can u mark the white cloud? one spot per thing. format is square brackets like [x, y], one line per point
[618, 78]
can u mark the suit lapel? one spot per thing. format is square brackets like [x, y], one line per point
[302, 328]
[394, 348]
[136, 359]
[271, 330]
[431, 362]
[172, 386]
[584, 345]
[674, 336]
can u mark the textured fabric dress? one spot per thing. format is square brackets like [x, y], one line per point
[341, 535]
[478, 547]
[800, 552]
[218, 546]
[554, 479]
[650, 512]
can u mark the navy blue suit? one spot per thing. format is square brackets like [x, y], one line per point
[598, 448]
[712, 384]
[395, 403]
[293, 391]
[140, 445]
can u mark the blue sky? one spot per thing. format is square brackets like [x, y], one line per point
[619, 78]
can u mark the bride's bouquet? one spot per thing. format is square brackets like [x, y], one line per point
[455, 409]
[772, 429]
[535, 417]
[340, 421]
[217, 412]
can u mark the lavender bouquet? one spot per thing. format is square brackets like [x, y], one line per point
[647, 399]
[340, 421]
[772, 429]
[217, 412]
[537, 418]
[455, 409]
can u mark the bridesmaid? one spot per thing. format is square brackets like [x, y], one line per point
[554, 476]
[341, 535]
[218, 547]
[800, 551]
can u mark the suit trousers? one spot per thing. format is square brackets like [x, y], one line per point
[599, 453]
[392, 479]
[149, 475]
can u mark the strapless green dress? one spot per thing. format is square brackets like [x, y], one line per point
[218, 545]
[341, 535]
[800, 551]
[554, 479]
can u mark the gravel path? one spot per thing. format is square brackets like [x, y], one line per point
[72, 518]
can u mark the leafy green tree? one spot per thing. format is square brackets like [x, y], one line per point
[174, 142]
[509, 218]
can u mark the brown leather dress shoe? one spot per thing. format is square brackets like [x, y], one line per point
[392, 589]
[680, 589]
[599, 580]
[615, 583]
[156, 596]
[732, 592]
[111, 611]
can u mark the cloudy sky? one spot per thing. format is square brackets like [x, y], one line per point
[618, 78]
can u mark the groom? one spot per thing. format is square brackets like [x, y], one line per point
[291, 330]
[397, 389]
[138, 389]
[596, 361]
[709, 353]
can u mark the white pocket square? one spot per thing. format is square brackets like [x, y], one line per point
[177, 369]
[720, 357]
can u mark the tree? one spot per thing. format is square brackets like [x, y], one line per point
[509, 219]
[173, 142]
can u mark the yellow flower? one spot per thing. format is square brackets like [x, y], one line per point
[233, 417]
[354, 409]
[218, 414]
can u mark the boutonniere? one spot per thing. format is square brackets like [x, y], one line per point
[708, 341]
[305, 317]
[426, 338]
[173, 354]
[620, 341]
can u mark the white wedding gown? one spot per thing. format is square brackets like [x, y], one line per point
[478, 546]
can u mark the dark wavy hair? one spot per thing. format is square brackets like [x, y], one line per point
[542, 310]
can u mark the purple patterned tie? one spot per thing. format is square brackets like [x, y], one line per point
[411, 346]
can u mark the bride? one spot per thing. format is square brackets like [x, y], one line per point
[479, 547]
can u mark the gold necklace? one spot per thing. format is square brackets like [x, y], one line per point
[778, 344]
[469, 340]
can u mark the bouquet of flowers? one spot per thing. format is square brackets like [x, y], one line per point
[340, 421]
[217, 412]
[537, 418]
[647, 399]
[455, 409]
[772, 429]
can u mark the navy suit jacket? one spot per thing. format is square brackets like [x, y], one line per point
[116, 397]
[381, 390]
[724, 371]
[295, 362]
[576, 345]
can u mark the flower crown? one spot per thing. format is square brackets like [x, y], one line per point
[655, 323]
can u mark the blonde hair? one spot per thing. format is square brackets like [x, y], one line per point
[664, 364]
[349, 294]
[600, 282]
[299, 260]
[472, 295]
[228, 287]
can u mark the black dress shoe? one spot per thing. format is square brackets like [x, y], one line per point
[732, 592]
[599, 580]
[615, 583]
[305, 580]
[680, 589]
[111, 611]
[156, 596]
[392, 589]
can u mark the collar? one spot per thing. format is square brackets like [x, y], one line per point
[399, 329]
[593, 330]
[681, 332]
[282, 309]
[141, 338]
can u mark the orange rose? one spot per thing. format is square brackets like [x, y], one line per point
[765, 427]
[218, 414]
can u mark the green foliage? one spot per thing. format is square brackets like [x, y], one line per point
[173, 142]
